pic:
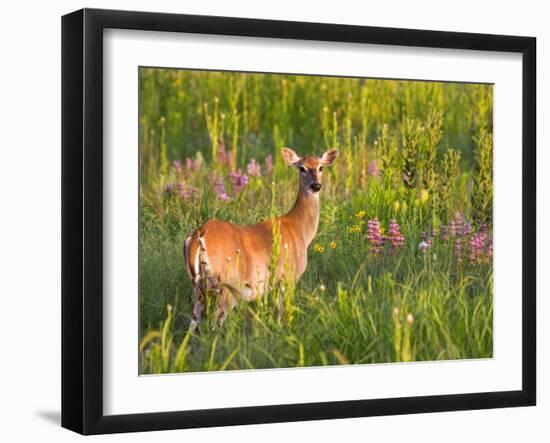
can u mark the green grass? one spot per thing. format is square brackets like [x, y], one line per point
[350, 306]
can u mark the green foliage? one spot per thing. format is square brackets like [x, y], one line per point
[482, 193]
[350, 306]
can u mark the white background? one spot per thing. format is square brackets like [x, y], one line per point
[126, 393]
[30, 219]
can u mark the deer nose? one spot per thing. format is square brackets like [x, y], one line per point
[316, 187]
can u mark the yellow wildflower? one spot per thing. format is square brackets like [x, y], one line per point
[361, 214]
[424, 195]
[333, 244]
[319, 248]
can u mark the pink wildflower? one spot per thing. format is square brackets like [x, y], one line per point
[239, 180]
[224, 157]
[397, 240]
[458, 249]
[253, 168]
[176, 166]
[480, 244]
[374, 235]
[219, 186]
[372, 169]
[186, 191]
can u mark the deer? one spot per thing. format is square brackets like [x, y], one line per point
[232, 262]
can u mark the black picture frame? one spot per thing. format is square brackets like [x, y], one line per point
[82, 220]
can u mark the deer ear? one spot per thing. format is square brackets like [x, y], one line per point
[290, 157]
[328, 157]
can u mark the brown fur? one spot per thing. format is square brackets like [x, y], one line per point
[232, 261]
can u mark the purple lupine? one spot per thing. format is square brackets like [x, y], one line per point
[466, 229]
[269, 164]
[239, 180]
[445, 233]
[186, 191]
[458, 249]
[372, 169]
[374, 236]
[479, 243]
[253, 168]
[397, 240]
[176, 166]
[219, 186]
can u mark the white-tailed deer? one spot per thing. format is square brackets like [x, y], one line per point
[232, 261]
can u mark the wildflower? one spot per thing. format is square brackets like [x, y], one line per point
[253, 168]
[319, 248]
[176, 165]
[188, 166]
[424, 195]
[410, 318]
[224, 157]
[239, 180]
[333, 244]
[397, 240]
[361, 214]
[269, 164]
[481, 246]
[219, 186]
[374, 236]
[423, 246]
[425, 242]
[322, 287]
[169, 188]
[186, 191]
[458, 249]
[372, 169]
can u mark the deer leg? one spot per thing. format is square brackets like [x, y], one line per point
[225, 303]
[198, 310]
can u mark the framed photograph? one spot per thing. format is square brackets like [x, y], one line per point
[269, 221]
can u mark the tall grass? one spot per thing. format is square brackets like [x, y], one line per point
[418, 153]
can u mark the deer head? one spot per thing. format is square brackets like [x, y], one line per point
[311, 168]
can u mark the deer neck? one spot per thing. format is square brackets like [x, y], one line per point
[305, 215]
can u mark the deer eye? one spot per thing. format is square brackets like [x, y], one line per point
[320, 168]
[303, 169]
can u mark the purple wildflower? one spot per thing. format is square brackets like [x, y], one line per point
[176, 166]
[372, 169]
[224, 157]
[169, 188]
[458, 249]
[186, 191]
[253, 168]
[374, 236]
[479, 244]
[239, 180]
[269, 164]
[425, 243]
[397, 240]
[219, 186]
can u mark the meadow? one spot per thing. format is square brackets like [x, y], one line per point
[401, 267]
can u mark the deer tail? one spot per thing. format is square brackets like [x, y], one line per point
[197, 263]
